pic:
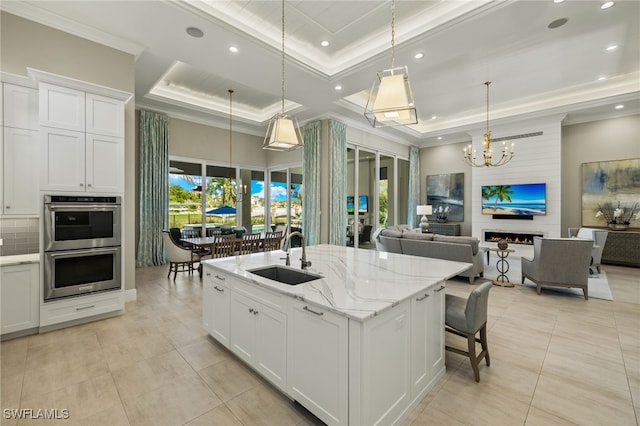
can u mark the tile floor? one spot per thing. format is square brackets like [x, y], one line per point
[555, 360]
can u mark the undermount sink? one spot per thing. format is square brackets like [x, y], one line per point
[284, 275]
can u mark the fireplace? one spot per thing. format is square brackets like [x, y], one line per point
[512, 237]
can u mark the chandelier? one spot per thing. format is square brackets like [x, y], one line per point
[390, 101]
[470, 154]
[283, 133]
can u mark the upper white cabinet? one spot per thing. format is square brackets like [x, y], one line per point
[20, 184]
[82, 141]
[20, 107]
[104, 116]
[62, 108]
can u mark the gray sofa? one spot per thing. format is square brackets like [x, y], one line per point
[400, 239]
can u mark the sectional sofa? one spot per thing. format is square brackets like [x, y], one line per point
[400, 239]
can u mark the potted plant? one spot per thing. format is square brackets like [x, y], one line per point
[618, 216]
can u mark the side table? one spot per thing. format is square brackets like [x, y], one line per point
[503, 267]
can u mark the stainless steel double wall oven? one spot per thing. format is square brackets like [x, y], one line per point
[82, 245]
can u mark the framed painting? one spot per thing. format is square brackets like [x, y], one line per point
[446, 193]
[605, 184]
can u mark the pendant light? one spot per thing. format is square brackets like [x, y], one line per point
[238, 190]
[390, 101]
[283, 133]
[470, 155]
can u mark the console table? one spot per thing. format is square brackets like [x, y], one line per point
[621, 248]
[444, 228]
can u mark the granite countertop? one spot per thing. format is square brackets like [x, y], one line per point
[357, 283]
[19, 259]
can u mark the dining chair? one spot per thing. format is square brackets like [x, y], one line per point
[180, 259]
[223, 245]
[272, 241]
[250, 243]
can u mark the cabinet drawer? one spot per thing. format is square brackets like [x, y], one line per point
[269, 298]
[80, 307]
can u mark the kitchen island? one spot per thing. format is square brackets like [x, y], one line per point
[362, 344]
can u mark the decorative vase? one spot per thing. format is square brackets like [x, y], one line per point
[618, 226]
[503, 244]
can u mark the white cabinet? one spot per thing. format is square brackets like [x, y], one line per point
[20, 105]
[61, 107]
[82, 141]
[258, 331]
[21, 151]
[78, 162]
[19, 297]
[427, 337]
[318, 361]
[74, 308]
[104, 116]
[215, 297]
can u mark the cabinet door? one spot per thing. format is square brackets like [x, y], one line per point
[63, 160]
[61, 108]
[215, 307]
[104, 163]
[21, 180]
[19, 297]
[435, 330]
[242, 327]
[20, 107]
[427, 337]
[271, 344]
[317, 361]
[104, 116]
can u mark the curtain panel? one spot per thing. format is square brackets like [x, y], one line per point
[154, 188]
[414, 185]
[337, 182]
[311, 183]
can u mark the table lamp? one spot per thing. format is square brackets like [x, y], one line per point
[424, 211]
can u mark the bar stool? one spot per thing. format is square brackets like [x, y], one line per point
[465, 318]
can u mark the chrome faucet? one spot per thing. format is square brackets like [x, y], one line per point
[287, 246]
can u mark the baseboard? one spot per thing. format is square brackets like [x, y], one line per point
[130, 295]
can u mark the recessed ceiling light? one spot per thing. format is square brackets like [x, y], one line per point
[602, 77]
[619, 106]
[419, 55]
[324, 43]
[612, 47]
[439, 138]
[338, 87]
[557, 23]
[433, 117]
[233, 49]
[195, 32]
[558, 1]
[607, 5]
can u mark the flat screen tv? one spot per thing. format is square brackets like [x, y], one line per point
[529, 199]
[363, 204]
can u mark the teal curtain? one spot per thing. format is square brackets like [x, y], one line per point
[414, 185]
[337, 182]
[154, 188]
[311, 183]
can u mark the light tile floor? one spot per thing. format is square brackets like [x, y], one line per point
[555, 360]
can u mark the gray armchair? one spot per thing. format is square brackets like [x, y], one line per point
[599, 237]
[559, 262]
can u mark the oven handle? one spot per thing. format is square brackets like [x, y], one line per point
[82, 252]
[83, 207]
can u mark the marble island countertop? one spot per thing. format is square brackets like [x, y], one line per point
[19, 259]
[356, 283]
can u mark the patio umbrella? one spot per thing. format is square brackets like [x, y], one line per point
[222, 211]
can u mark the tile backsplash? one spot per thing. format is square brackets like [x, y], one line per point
[19, 236]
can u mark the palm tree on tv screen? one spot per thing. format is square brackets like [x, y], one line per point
[501, 192]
